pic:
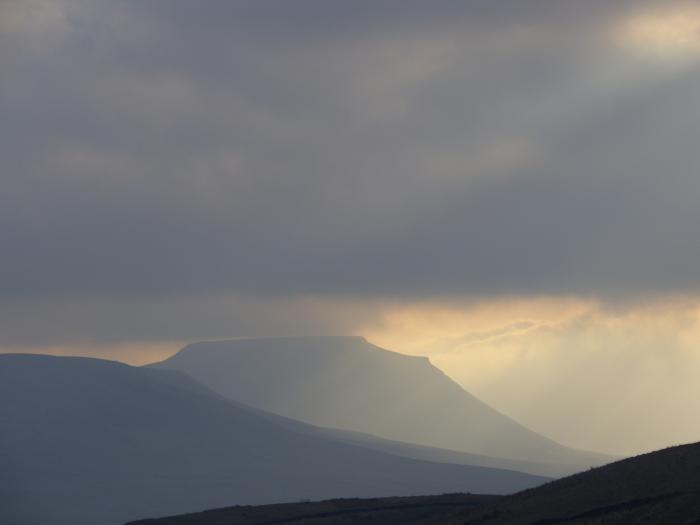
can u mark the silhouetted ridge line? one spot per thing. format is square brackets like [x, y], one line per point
[660, 487]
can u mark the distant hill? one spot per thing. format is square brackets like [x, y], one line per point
[660, 488]
[93, 442]
[345, 382]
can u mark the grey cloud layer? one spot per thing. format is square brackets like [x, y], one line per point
[386, 148]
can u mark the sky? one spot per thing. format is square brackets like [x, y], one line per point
[507, 187]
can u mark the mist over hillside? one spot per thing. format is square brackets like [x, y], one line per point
[94, 442]
[348, 383]
[504, 196]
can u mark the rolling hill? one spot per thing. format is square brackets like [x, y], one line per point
[659, 488]
[92, 442]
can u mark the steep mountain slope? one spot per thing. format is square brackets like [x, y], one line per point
[87, 441]
[345, 382]
[661, 488]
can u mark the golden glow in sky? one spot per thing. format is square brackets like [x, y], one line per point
[665, 33]
[620, 379]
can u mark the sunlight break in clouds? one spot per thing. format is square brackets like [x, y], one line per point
[133, 353]
[667, 32]
[621, 380]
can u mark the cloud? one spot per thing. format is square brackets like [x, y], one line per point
[479, 149]
[506, 186]
[104, 323]
[664, 32]
[31, 17]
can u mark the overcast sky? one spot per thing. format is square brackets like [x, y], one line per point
[176, 170]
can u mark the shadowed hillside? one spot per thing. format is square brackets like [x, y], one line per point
[658, 488]
[345, 382]
[661, 488]
[93, 442]
[385, 511]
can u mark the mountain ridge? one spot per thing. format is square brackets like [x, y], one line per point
[92, 442]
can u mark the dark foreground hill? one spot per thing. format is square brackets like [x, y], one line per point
[345, 382]
[385, 511]
[93, 442]
[660, 488]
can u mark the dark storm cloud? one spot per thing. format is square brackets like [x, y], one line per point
[346, 148]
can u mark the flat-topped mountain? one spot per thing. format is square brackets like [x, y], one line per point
[659, 488]
[348, 383]
[94, 442]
